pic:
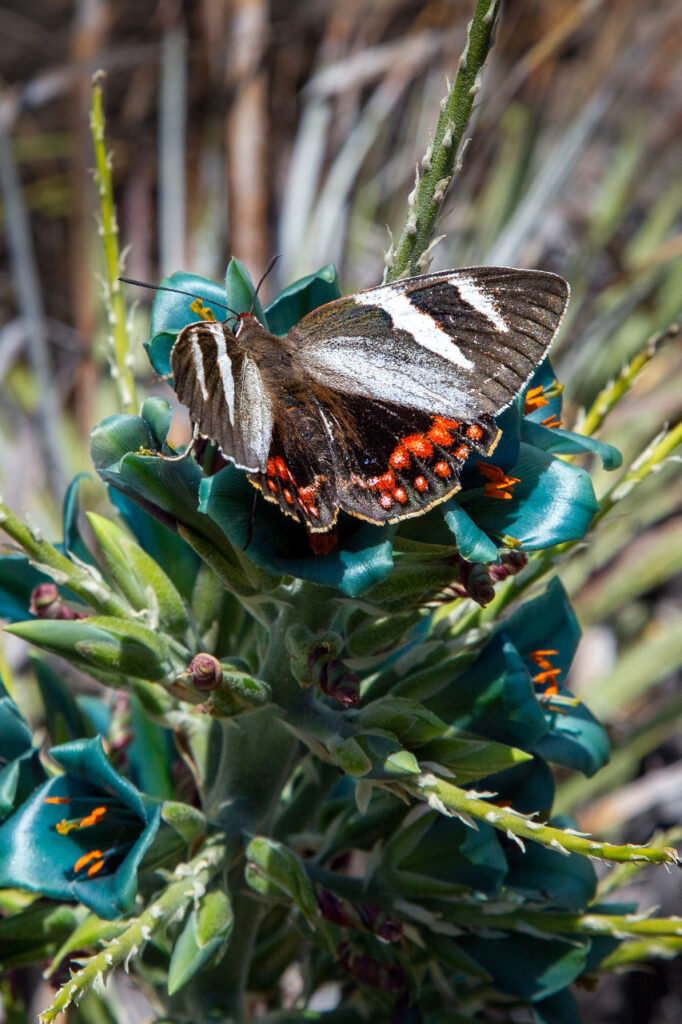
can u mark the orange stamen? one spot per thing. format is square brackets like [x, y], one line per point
[499, 485]
[57, 800]
[535, 399]
[551, 422]
[95, 868]
[87, 858]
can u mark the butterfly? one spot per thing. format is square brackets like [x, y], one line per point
[373, 403]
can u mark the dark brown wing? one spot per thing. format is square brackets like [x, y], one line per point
[224, 392]
[395, 462]
[300, 475]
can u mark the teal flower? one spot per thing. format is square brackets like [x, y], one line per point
[20, 767]
[514, 691]
[81, 835]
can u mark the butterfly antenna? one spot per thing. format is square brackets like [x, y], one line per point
[269, 268]
[178, 291]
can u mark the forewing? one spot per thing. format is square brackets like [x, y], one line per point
[224, 392]
[461, 342]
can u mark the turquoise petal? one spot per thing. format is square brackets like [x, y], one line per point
[565, 442]
[363, 556]
[171, 311]
[240, 290]
[472, 543]
[545, 622]
[554, 502]
[34, 856]
[561, 1008]
[528, 967]
[494, 697]
[302, 297]
[543, 377]
[576, 739]
[158, 348]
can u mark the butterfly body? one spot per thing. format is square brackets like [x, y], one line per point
[371, 403]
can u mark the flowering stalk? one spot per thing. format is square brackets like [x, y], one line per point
[189, 882]
[117, 322]
[451, 799]
[443, 156]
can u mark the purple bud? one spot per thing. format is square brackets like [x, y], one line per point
[46, 603]
[206, 672]
[333, 677]
[475, 581]
[332, 909]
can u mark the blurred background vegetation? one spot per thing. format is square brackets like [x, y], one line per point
[245, 127]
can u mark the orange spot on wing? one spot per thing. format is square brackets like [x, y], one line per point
[288, 496]
[439, 434]
[420, 484]
[400, 494]
[461, 452]
[271, 467]
[442, 469]
[385, 499]
[272, 486]
[281, 468]
[400, 459]
[418, 445]
[474, 432]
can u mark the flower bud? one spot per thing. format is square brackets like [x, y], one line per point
[512, 562]
[46, 603]
[206, 672]
[333, 677]
[475, 582]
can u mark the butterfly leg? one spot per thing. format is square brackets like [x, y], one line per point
[188, 450]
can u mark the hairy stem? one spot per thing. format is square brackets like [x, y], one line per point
[468, 806]
[443, 156]
[188, 880]
[117, 322]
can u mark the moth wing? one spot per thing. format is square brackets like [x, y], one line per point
[224, 392]
[461, 343]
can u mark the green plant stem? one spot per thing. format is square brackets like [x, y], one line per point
[47, 559]
[649, 462]
[188, 880]
[117, 321]
[440, 161]
[633, 953]
[452, 800]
